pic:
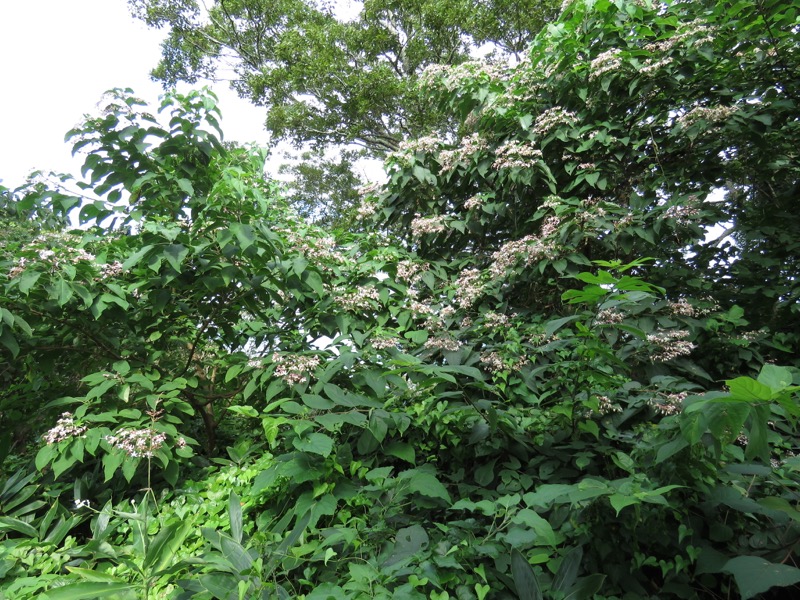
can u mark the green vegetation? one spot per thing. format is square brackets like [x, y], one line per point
[339, 84]
[561, 363]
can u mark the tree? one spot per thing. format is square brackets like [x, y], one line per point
[522, 398]
[329, 81]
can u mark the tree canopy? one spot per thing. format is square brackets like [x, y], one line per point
[555, 384]
[328, 79]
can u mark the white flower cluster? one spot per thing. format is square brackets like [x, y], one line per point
[65, 428]
[609, 316]
[475, 201]
[68, 252]
[293, 368]
[527, 249]
[468, 146]
[552, 117]
[113, 269]
[315, 249]
[605, 62]
[420, 309]
[651, 67]
[671, 344]
[369, 189]
[407, 269]
[512, 154]
[468, 287]
[682, 308]
[425, 225]
[550, 226]
[19, 268]
[691, 30]
[137, 442]
[684, 215]
[712, 114]
[365, 210]
[443, 342]
[493, 319]
[496, 363]
[552, 202]
[606, 407]
[669, 404]
[358, 299]
[427, 144]
[453, 77]
[383, 342]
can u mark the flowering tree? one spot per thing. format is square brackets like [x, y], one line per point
[514, 399]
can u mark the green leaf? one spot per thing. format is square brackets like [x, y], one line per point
[12, 524]
[162, 549]
[754, 575]
[524, 578]
[235, 514]
[9, 341]
[568, 570]
[408, 542]
[422, 481]
[775, 378]
[90, 591]
[746, 388]
[175, 253]
[27, 280]
[620, 501]
[316, 443]
[402, 451]
[586, 587]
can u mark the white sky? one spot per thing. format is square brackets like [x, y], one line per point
[57, 57]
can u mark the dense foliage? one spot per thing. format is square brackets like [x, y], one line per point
[335, 75]
[576, 376]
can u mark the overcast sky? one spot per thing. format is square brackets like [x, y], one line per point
[57, 57]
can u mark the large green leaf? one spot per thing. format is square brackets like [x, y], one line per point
[524, 578]
[91, 590]
[755, 575]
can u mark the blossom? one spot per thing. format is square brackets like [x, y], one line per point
[607, 61]
[681, 308]
[468, 288]
[512, 154]
[712, 114]
[424, 225]
[670, 344]
[551, 118]
[406, 269]
[137, 442]
[443, 342]
[383, 342]
[357, 300]
[475, 201]
[525, 250]
[609, 316]
[495, 363]
[668, 404]
[293, 368]
[65, 428]
[605, 406]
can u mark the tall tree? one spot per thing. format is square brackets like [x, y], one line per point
[328, 79]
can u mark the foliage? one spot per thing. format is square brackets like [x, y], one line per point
[522, 398]
[330, 79]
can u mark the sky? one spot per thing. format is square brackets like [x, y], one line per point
[57, 57]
